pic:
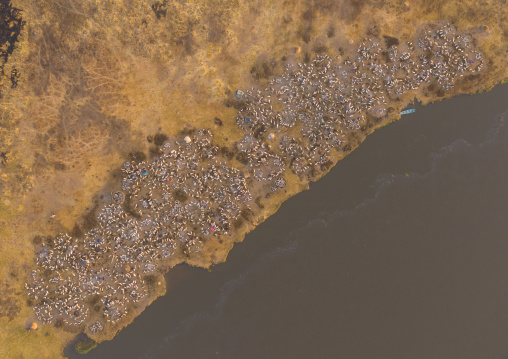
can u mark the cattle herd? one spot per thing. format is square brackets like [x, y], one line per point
[193, 192]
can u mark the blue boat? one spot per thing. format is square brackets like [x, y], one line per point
[405, 112]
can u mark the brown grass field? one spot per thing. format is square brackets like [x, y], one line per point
[89, 81]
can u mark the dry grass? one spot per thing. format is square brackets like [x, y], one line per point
[98, 77]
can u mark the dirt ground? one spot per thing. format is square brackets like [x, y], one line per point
[86, 84]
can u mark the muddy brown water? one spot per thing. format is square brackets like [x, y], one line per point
[401, 251]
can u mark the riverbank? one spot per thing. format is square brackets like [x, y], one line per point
[192, 198]
[46, 190]
[336, 259]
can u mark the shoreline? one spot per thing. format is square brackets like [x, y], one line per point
[155, 90]
[194, 143]
[75, 340]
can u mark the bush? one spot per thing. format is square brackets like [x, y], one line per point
[84, 346]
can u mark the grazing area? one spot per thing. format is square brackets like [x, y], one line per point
[136, 136]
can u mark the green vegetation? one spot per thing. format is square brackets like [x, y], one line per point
[85, 345]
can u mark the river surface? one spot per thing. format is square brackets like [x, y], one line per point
[401, 251]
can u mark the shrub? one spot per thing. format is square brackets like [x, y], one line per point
[84, 346]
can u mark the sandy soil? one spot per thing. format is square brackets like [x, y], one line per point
[88, 83]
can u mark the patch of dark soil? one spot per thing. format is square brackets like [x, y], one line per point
[353, 138]
[233, 102]
[263, 69]
[238, 223]
[59, 166]
[246, 214]
[391, 41]
[180, 196]
[305, 33]
[326, 166]
[258, 202]
[371, 120]
[386, 56]
[37, 240]
[49, 241]
[76, 231]
[350, 9]
[258, 131]
[151, 280]
[320, 48]
[188, 131]
[59, 323]
[128, 207]
[89, 219]
[71, 328]
[217, 25]
[466, 82]
[330, 32]
[325, 6]
[242, 158]
[40, 160]
[93, 299]
[309, 15]
[138, 156]
[188, 43]
[373, 30]
[159, 139]
[226, 152]
[154, 151]
[117, 173]
[8, 303]
[313, 172]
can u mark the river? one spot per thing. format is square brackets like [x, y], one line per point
[399, 252]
